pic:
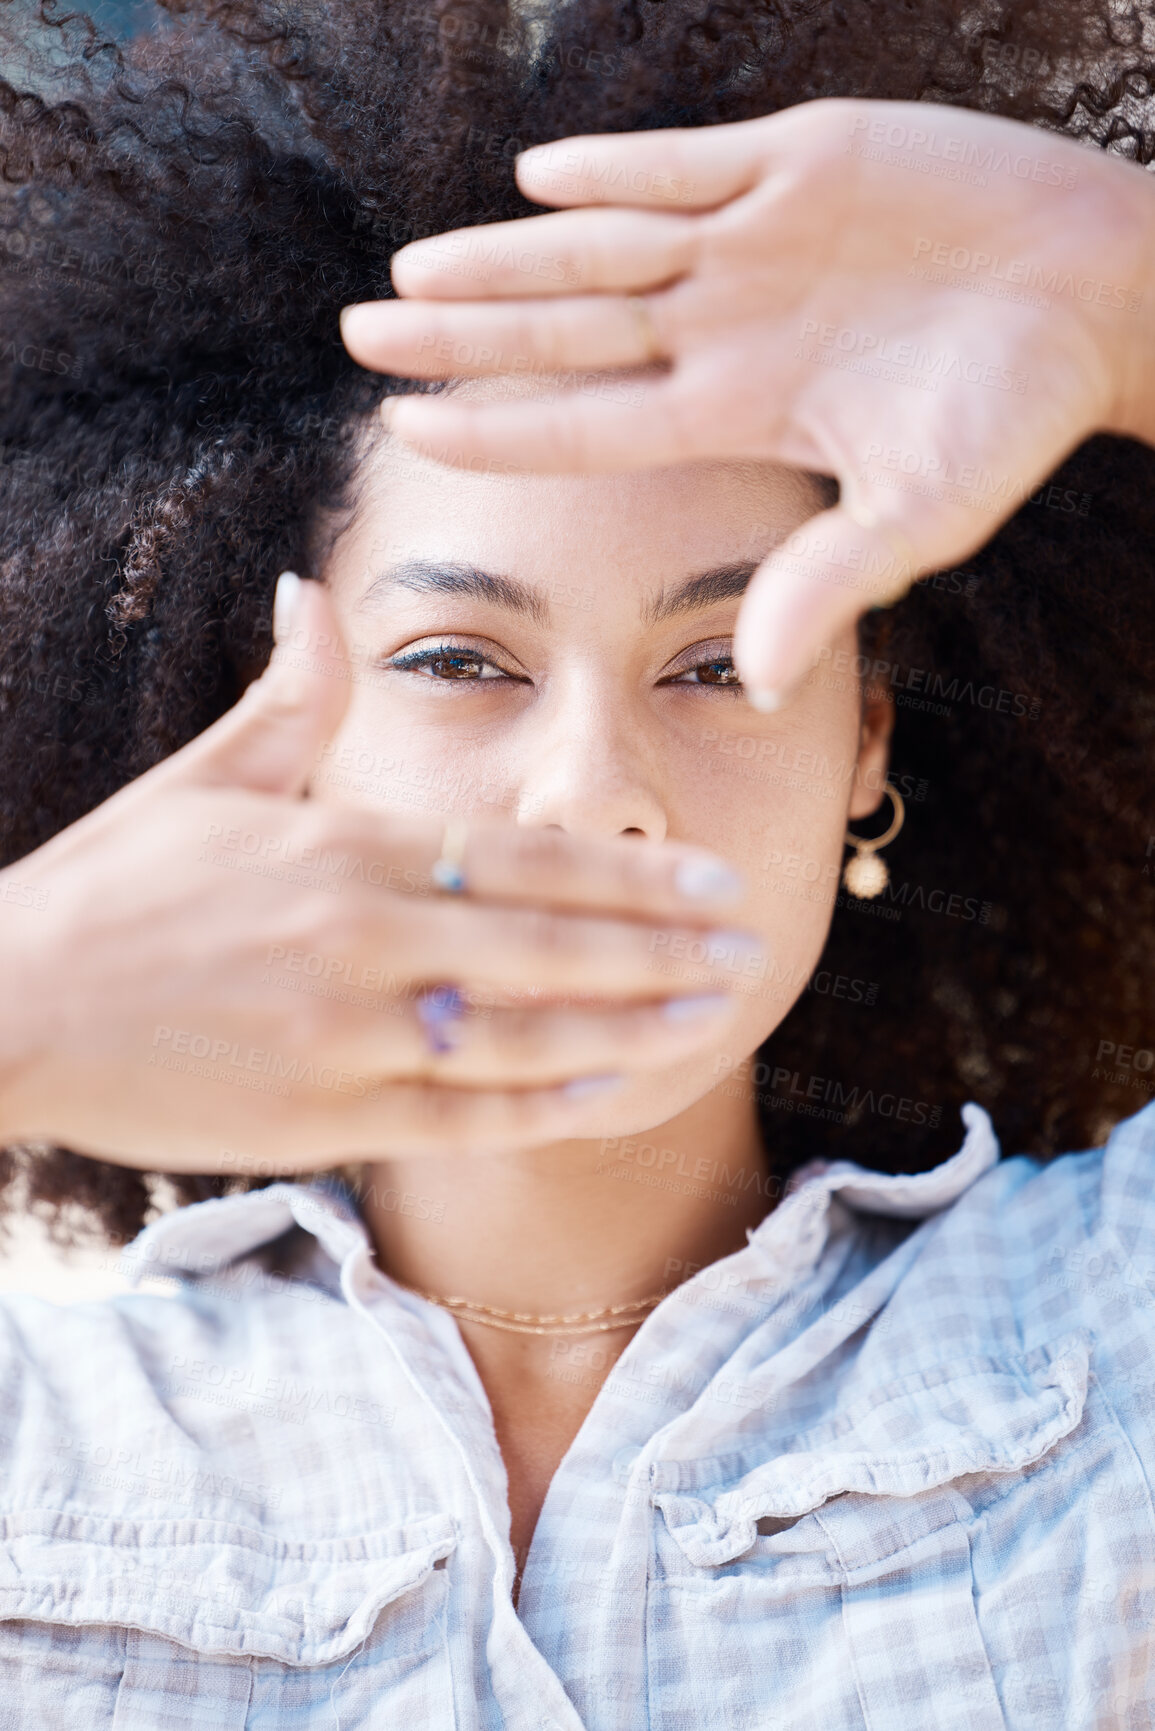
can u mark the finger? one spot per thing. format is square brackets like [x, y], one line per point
[691, 168]
[643, 879]
[424, 340]
[537, 948]
[268, 742]
[629, 421]
[566, 252]
[481, 1044]
[700, 168]
[311, 1128]
[429, 1118]
[825, 576]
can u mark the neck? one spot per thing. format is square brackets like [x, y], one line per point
[574, 1226]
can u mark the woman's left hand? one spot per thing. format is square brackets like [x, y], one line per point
[930, 304]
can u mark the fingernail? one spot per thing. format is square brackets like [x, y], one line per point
[286, 601]
[588, 1087]
[357, 319]
[764, 698]
[707, 879]
[385, 412]
[692, 1009]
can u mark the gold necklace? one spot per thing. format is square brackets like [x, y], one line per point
[522, 1322]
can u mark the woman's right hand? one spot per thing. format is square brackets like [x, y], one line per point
[213, 973]
[931, 304]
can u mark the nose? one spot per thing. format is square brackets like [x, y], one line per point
[590, 772]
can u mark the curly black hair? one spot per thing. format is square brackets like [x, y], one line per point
[181, 219]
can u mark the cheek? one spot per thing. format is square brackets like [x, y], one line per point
[777, 808]
[799, 856]
[772, 802]
[794, 883]
[357, 767]
[388, 759]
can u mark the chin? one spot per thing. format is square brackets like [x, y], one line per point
[649, 1101]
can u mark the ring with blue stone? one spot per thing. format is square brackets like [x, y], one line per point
[448, 871]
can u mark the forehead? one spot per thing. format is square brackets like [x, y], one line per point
[647, 523]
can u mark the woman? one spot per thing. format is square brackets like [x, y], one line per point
[687, 1449]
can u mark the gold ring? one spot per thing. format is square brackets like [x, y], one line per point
[448, 871]
[644, 321]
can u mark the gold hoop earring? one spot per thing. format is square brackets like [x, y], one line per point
[866, 875]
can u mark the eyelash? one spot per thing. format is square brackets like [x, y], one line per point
[423, 660]
[734, 684]
[418, 660]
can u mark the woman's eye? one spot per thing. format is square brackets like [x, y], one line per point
[448, 662]
[719, 670]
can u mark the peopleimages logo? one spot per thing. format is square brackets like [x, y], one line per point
[874, 349]
[228, 1061]
[1021, 273]
[944, 688]
[943, 147]
[846, 1103]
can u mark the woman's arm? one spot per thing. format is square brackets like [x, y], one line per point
[930, 304]
[209, 970]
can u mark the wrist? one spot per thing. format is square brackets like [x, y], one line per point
[21, 1042]
[1132, 332]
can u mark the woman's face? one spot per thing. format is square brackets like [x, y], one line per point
[555, 650]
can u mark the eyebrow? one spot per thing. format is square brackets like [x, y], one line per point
[435, 577]
[705, 590]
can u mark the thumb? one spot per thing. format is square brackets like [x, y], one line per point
[823, 577]
[269, 741]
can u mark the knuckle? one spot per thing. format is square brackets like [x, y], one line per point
[547, 933]
[336, 930]
[308, 1025]
[822, 123]
[545, 851]
[524, 1113]
[525, 1033]
[438, 1110]
[548, 341]
[307, 924]
[683, 424]
[568, 434]
[637, 877]
[634, 1032]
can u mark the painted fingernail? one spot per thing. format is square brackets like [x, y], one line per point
[589, 1087]
[764, 698]
[697, 1008]
[707, 879]
[286, 600]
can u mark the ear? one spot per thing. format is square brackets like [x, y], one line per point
[874, 736]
